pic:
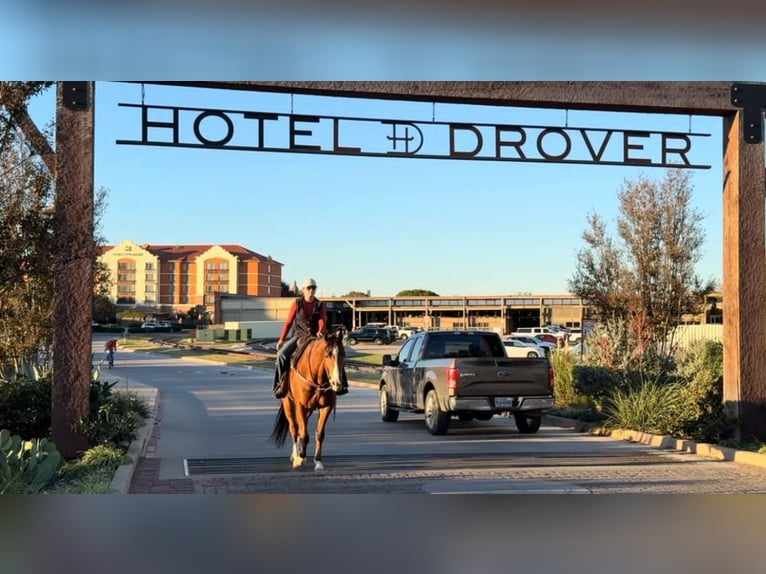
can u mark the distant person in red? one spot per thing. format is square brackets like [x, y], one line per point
[110, 347]
[307, 318]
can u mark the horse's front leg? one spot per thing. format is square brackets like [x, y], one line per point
[301, 438]
[324, 414]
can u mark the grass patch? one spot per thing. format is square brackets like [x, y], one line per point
[369, 358]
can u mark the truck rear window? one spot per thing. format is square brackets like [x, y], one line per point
[463, 344]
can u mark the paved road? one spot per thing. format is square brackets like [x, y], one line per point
[214, 422]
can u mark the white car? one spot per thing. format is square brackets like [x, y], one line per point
[531, 340]
[407, 332]
[514, 348]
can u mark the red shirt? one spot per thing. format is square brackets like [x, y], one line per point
[308, 310]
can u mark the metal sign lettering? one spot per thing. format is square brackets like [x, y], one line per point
[245, 130]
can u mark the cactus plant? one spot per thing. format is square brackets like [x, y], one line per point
[26, 465]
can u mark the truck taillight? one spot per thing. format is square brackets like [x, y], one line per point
[550, 378]
[452, 376]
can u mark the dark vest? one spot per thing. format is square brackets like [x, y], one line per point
[305, 326]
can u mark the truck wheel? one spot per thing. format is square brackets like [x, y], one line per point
[528, 424]
[378, 341]
[403, 337]
[351, 341]
[437, 421]
[532, 355]
[387, 413]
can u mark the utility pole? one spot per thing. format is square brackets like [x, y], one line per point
[73, 268]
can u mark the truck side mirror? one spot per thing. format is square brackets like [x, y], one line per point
[389, 362]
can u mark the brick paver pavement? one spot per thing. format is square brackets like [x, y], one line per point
[650, 471]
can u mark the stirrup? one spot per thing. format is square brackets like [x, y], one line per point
[343, 390]
[280, 391]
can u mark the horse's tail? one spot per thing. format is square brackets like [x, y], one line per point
[281, 427]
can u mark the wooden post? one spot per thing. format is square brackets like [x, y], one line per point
[744, 281]
[73, 271]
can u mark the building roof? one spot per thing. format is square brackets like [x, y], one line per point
[188, 252]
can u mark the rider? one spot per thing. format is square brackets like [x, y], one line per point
[307, 317]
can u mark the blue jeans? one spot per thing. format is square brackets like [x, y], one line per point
[283, 358]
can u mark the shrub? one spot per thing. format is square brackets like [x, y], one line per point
[700, 367]
[116, 420]
[565, 391]
[25, 405]
[93, 460]
[598, 383]
[652, 407]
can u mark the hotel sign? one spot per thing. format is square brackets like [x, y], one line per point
[246, 130]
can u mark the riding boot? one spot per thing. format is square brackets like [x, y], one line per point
[280, 388]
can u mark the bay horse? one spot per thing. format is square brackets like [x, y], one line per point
[312, 383]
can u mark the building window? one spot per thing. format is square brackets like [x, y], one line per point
[184, 267]
[149, 266]
[150, 276]
[223, 265]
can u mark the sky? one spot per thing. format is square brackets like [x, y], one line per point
[372, 224]
[377, 224]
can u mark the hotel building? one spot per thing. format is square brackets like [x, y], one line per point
[176, 277]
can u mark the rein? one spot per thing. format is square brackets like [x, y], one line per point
[311, 382]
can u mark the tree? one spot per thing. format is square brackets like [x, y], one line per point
[356, 294]
[288, 291]
[26, 246]
[416, 293]
[645, 279]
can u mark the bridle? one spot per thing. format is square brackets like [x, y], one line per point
[314, 383]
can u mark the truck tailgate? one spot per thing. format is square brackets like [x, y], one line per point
[485, 377]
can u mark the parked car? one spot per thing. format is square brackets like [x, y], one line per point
[514, 348]
[547, 338]
[555, 331]
[149, 326]
[377, 335]
[575, 335]
[407, 332]
[535, 341]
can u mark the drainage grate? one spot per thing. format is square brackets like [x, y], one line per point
[404, 462]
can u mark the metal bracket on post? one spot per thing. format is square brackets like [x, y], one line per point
[752, 99]
[76, 95]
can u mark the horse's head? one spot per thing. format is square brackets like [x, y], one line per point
[334, 358]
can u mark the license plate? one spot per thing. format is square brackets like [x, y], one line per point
[505, 402]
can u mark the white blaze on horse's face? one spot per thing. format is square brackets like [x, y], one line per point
[334, 373]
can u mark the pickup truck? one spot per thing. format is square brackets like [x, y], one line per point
[464, 374]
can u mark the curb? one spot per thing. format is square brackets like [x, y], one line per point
[665, 442]
[124, 475]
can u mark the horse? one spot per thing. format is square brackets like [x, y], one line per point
[313, 382]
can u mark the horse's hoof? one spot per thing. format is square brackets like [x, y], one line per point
[298, 462]
[318, 466]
